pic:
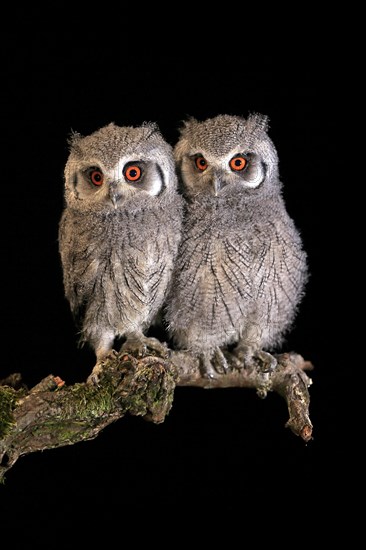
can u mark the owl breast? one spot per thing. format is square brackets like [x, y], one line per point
[119, 267]
[212, 289]
[232, 275]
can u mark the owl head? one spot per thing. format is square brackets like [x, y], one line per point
[225, 155]
[116, 164]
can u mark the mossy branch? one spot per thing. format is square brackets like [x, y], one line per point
[53, 414]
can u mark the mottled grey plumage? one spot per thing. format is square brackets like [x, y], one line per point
[119, 234]
[241, 270]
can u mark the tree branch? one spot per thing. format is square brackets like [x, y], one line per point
[52, 414]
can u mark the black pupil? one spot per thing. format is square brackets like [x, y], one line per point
[97, 176]
[133, 172]
[238, 162]
[202, 162]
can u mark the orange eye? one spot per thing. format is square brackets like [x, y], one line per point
[201, 163]
[238, 163]
[133, 172]
[96, 177]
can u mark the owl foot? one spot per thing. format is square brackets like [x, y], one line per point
[95, 375]
[141, 345]
[246, 357]
[265, 360]
[266, 364]
[215, 365]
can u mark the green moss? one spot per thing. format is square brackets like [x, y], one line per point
[86, 402]
[62, 433]
[8, 399]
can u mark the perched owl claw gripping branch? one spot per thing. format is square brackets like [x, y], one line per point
[214, 364]
[241, 269]
[263, 360]
[140, 345]
[118, 235]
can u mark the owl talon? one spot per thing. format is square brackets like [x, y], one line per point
[244, 356]
[212, 367]
[94, 377]
[237, 362]
[219, 362]
[136, 348]
[267, 362]
[159, 347]
[208, 371]
[141, 346]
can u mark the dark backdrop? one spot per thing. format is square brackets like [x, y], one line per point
[222, 458]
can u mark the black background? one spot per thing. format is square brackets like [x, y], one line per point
[222, 459]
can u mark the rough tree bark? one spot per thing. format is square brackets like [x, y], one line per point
[53, 414]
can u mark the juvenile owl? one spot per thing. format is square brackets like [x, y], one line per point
[119, 234]
[241, 269]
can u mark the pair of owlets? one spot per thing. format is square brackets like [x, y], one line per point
[199, 232]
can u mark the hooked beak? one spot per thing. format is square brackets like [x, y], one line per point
[113, 194]
[216, 184]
